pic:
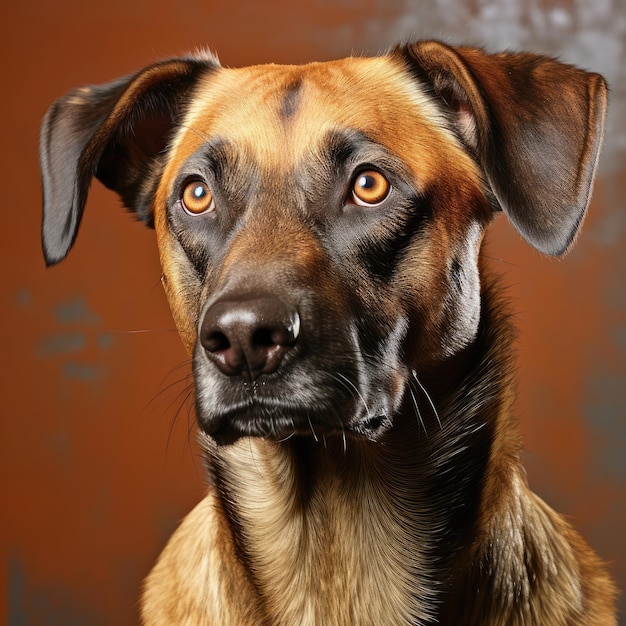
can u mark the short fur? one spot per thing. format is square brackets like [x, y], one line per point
[352, 361]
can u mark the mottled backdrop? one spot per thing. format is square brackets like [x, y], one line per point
[97, 448]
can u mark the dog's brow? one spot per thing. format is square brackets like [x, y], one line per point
[216, 154]
[343, 146]
[340, 145]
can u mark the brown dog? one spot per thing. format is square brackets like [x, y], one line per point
[320, 230]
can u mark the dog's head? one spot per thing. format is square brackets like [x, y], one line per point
[319, 226]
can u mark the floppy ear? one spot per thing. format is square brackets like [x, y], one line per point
[115, 132]
[535, 126]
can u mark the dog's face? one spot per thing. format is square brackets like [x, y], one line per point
[319, 226]
[315, 215]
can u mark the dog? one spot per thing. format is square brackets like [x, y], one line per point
[320, 230]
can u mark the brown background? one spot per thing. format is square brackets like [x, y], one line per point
[97, 448]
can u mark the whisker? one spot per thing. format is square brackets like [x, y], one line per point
[179, 394]
[164, 389]
[196, 132]
[427, 396]
[253, 456]
[348, 384]
[315, 437]
[186, 395]
[141, 331]
[418, 413]
[499, 259]
[287, 437]
[187, 389]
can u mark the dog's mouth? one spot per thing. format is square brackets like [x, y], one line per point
[281, 423]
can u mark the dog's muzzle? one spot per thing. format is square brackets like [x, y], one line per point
[267, 367]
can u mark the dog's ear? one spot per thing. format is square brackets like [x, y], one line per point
[114, 132]
[535, 126]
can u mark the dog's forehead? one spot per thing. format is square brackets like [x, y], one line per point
[278, 114]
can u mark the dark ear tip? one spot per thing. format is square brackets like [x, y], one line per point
[551, 249]
[554, 241]
[53, 254]
[52, 259]
[50, 262]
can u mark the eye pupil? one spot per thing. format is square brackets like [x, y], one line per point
[366, 182]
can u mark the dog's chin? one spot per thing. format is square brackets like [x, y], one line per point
[227, 428]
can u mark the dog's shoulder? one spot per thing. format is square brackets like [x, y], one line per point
[195, 572]
[531, 566]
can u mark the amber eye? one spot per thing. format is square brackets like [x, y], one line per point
[370, 188]
[197, 198]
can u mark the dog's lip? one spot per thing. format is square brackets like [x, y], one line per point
[275, 422]
[280, 422]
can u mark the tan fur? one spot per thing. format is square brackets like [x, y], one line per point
[298, 551]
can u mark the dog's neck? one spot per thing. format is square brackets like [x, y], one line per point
[342, 515]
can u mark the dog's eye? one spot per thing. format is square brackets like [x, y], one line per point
[370, 188]
[197, 198]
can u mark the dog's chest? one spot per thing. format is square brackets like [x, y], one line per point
[341, 551]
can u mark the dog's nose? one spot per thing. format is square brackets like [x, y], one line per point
[249, 336]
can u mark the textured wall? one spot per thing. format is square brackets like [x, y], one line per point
[98, 459]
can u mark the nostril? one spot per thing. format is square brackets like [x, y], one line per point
[283, 334]
[215, 342]
[263, 337]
